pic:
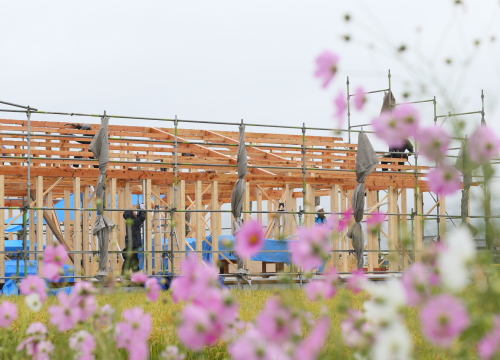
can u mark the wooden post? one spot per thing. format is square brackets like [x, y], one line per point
[10, 213]
[343, 243]
[2, 226]
[157, 229]
[289, 206]
[419, 228]
[93, 239]
[86, 233]
[309, 206]
[334, 207]
[200, 226]
[180, 220]
[39, 220]
[372, 243]
[67, 217]
[258, 196]
[120, 223]
[215, 222]
[148, 258]
[48, 233]
[77, 227]
[113, 235]
[442, 218]
[32, 235]
[393, 228]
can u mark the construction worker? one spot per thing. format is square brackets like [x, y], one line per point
[320, 215]
[133, 240]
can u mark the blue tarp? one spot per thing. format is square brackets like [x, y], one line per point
[227, 242]
[11, 267]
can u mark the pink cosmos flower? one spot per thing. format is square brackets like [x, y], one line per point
[33, 284]
[133, 333]
[312, 248]
[345, 219]
[356, 331]
[8, 313]
[433, 142]
[490, 344]
[249, 239]
[323, 289]
[310, 347]
[326, 67]
[416, 283]
[83, 343]
[105, 315]
[357, 281]
[340, 108]
[375, 220]
[443, 319]
[195, 328]
[55, 254]
[483, 145]
[35, 345]
[66, 315]
[444, 180]
[359, 98]
[51, 271]
[37, 329]
[394, 127]
[194, 281]
[152, 289]
[277, 322]
[171, 353]
[253, 345]
[139, 278]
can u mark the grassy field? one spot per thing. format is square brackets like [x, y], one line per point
[164, 311]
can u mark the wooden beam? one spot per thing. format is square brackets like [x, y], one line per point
[77, 227]
[148, 229]
[200, 226]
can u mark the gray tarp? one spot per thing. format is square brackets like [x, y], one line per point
[238, 194]
[366, 161]
[103, 226]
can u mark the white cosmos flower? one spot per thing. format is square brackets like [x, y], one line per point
[387, 299]
[33, 302]
[392, 342]
[454, 262]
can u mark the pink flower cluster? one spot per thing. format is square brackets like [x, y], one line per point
[396, 126]
[36, 346]
[249, 239]
[312, 248]
[357, 281]
[357, 332]
[483, 145]
[490, 344]
[323, 289]
[212, 310]
[133, 333]
[151, 284]
[75, 307]
[275, 335]
[54, 257]
[83, 343]
[8, 313]
[375, 221]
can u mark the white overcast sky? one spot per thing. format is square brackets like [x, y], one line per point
[251, 60]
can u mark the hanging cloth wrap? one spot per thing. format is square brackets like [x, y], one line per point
[366, 161]
[237, 197]
[103, 225]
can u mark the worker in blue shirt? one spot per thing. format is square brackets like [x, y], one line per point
[320, 216]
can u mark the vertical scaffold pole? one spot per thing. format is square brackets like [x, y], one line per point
[303, 166]
[348, 112]
[172, 212]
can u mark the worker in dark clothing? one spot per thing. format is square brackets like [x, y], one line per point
[85, 142]
[134, 221]
[398, 152]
